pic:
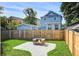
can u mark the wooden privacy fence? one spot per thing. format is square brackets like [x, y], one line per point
[71, 37]
[29, 34]
[72, 40]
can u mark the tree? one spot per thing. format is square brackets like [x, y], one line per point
[11, 23]
[3, 20]
[1, 8]
[30, 16]
[70, 11]
[10, 19]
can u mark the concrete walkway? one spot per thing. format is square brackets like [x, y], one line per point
[36, 50]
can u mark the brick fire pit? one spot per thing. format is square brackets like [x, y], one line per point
[39, 41]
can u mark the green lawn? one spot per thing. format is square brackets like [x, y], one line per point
[60, 50]
[9, 51]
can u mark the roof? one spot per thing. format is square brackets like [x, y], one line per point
[74, 23]
[53, 14]
[17, 18]
[74, 26]
[25, 25]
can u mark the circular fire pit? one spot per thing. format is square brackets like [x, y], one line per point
[39, 41]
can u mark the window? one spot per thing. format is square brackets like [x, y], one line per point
[56, 27]
[44, 18]
[54, 18]
[49, 27]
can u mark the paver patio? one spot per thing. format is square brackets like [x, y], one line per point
[36, 50]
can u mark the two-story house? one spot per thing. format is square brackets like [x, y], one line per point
[50, 21]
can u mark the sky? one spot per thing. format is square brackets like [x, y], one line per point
[16, 8]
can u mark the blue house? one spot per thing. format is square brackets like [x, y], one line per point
[50, 21]
[27, 27]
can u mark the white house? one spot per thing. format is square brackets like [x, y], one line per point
[50, 21]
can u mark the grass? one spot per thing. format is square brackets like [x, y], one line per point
[9, 51]
[60, 50]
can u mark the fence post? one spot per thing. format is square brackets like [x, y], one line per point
[19, 33]
[10, 34]
[65, 35]
[40, 33]
[24, 34]
[68, 38]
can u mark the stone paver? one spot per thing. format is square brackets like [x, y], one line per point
[36, 50]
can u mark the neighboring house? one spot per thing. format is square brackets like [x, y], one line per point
[17, 20]
[51, 21]
[74, 26]
[27, 27]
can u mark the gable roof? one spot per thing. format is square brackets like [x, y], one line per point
[51, 12]
[16, 18]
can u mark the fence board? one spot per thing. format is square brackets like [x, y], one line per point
[76, 45]
[72, 40]
[4, 35]
[29, 34]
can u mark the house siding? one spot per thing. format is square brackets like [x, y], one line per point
[26, 27]
[53, 20]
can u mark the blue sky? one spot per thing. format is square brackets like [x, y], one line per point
[16, 8]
